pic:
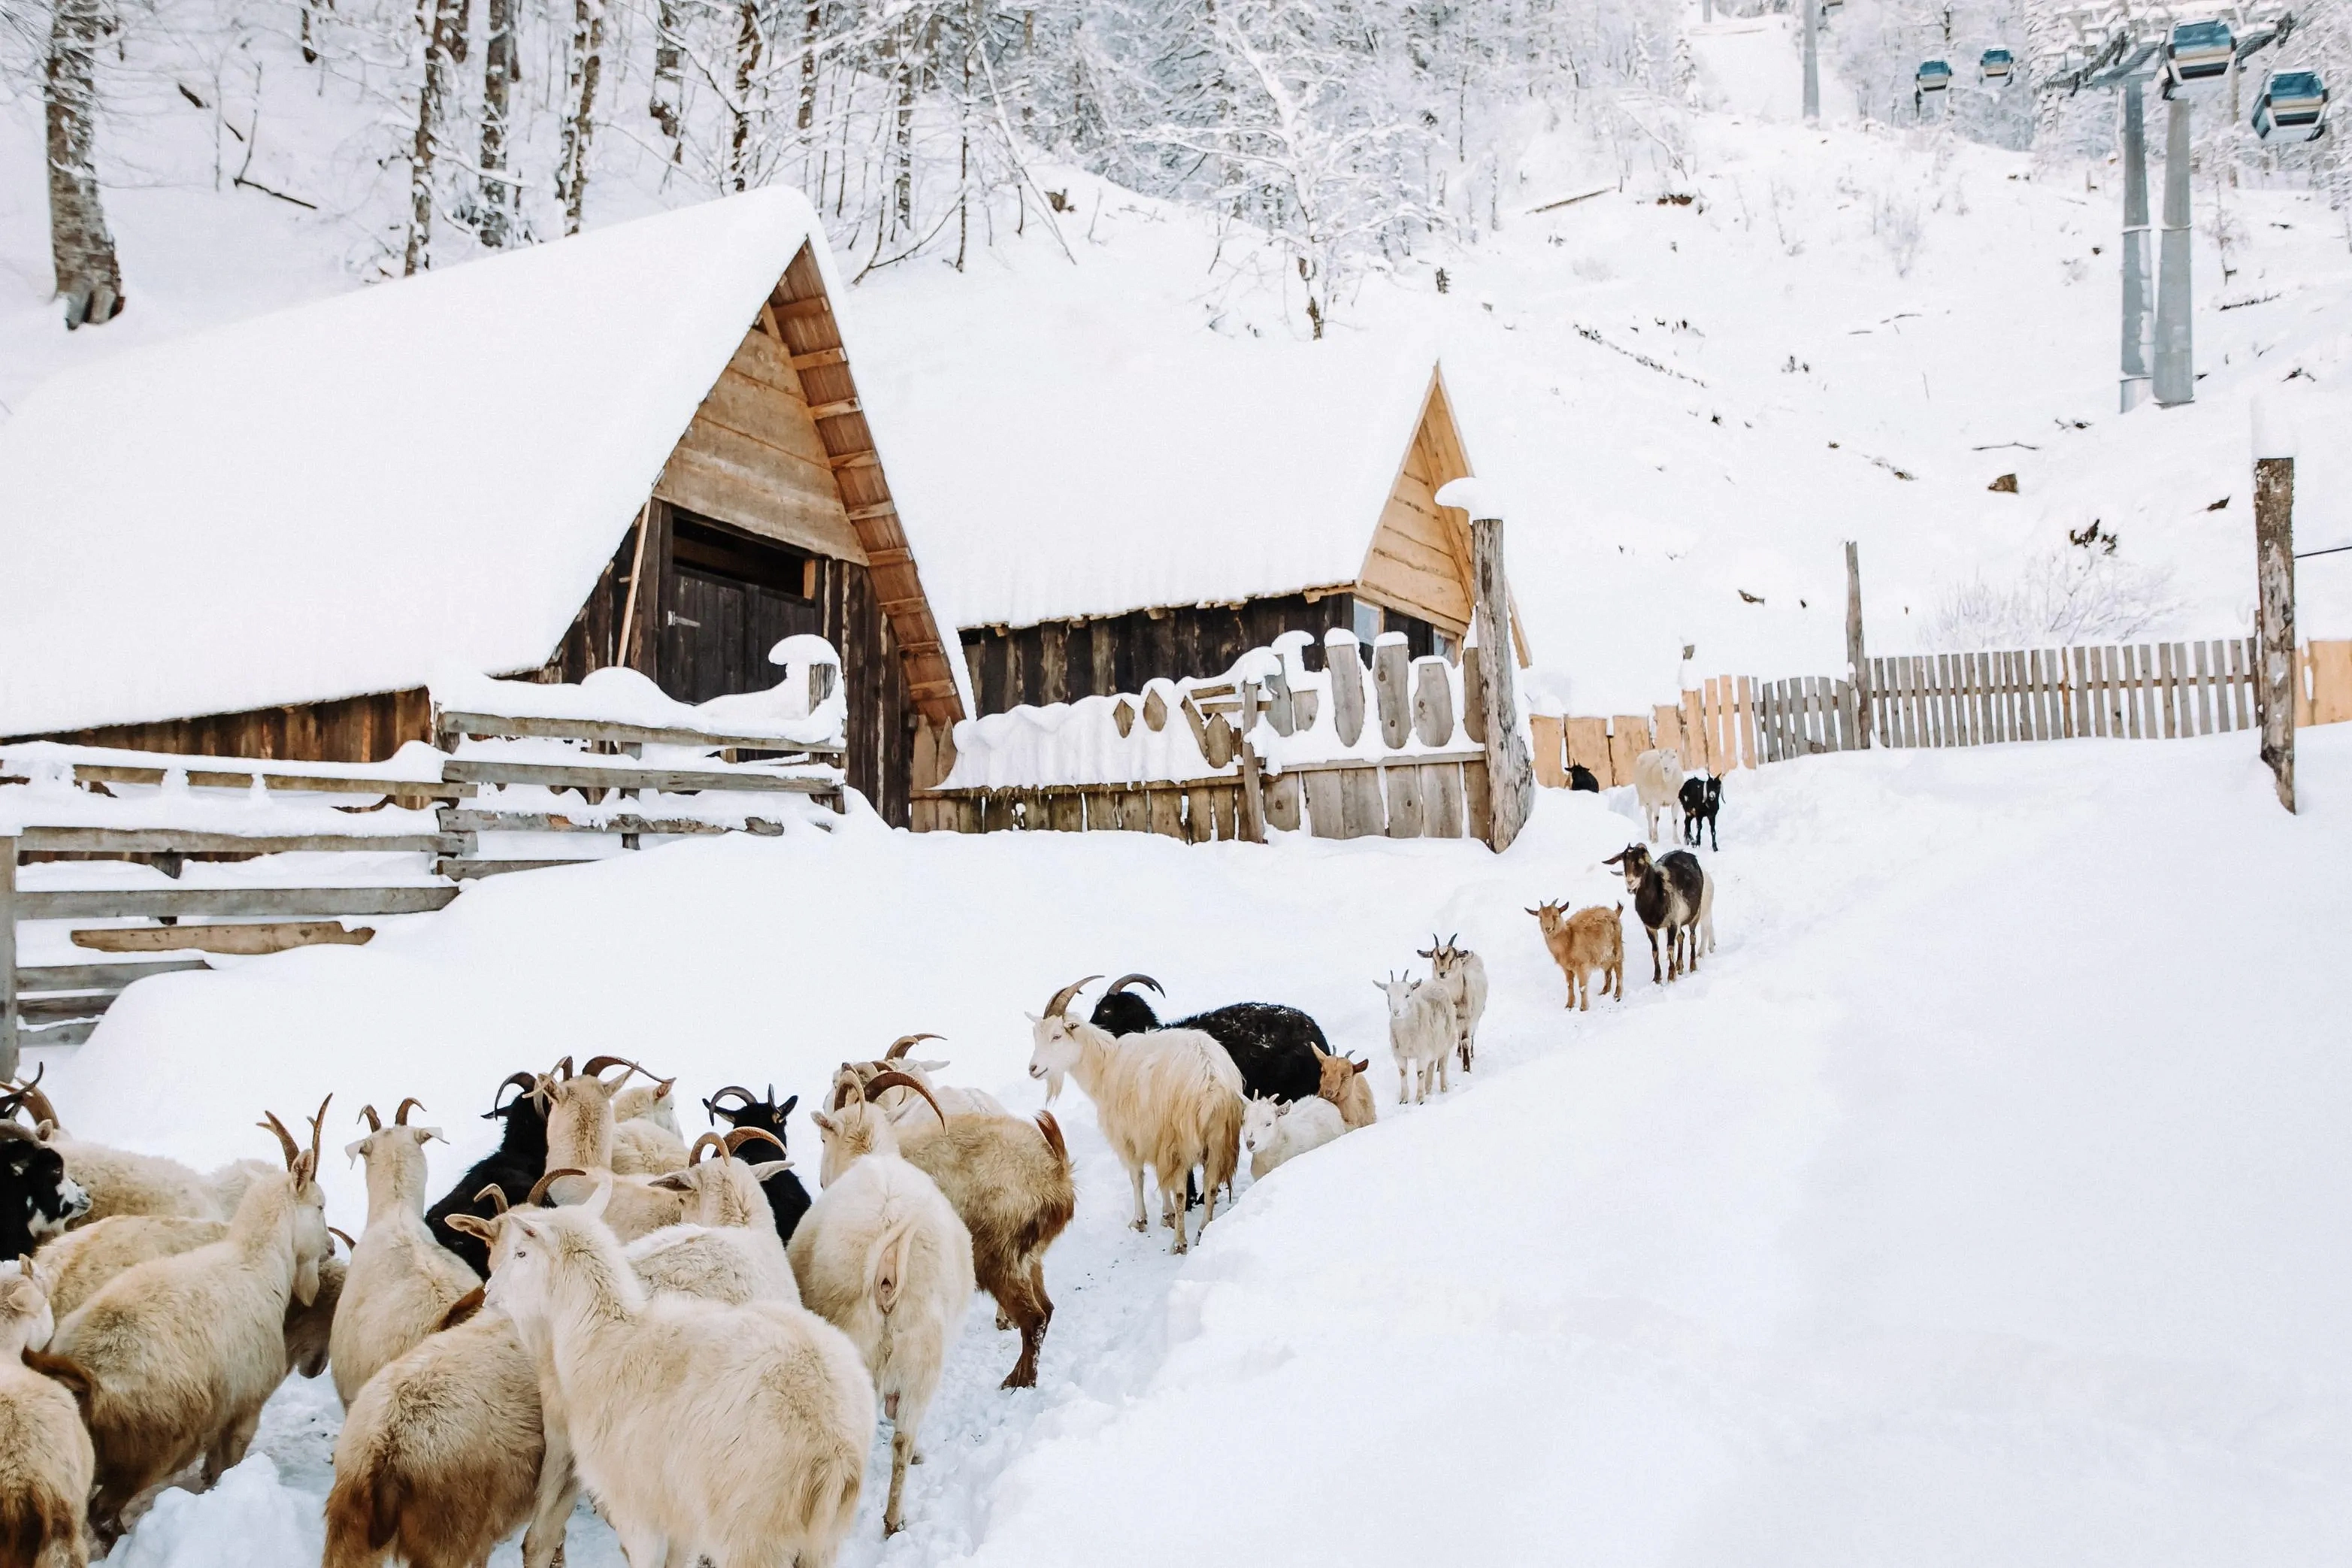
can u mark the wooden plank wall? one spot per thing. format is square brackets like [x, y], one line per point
[2323, 687]
[1714, 728]
[351, 730]
[2144, 692]
[1061, 661]
[1406, 800]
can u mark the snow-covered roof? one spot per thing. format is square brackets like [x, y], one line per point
[1091, 472]
[347, 497]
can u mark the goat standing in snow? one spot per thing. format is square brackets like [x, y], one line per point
[1464, 974]
[1702, 800]
[45, 1460]
[1657, 776]
[1591, 939]
[401, 1281]
[1421, 1033]
[1674, 895]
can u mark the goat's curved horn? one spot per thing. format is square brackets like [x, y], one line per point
[1452, 940]
[562, 1069]
[367, 1114]
[318, 1128]
[538, 1188]
[345, 1237]
[881, 1081]
[269, 1123]
[708, 1141]
[1058, 1006]
[1124, 981]
[30, 1096]
[595, 1066]
[845, 1084]
[521, 1080]
[400, 1117]
[742, 1135]
[905, 1043]
[495, 1194]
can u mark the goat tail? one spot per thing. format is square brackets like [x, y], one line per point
[68, 1374]
[827, 1504]
[1053, 1132]
[33, 1521]
[363, 1517]
[887, 1276]
[1222, 1156]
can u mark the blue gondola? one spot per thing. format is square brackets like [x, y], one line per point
[2293, 107]
[1933, 76]
[2199, 51]
[1996, 64]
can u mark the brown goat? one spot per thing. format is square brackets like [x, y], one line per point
[1343, 1085]
[1590, 938]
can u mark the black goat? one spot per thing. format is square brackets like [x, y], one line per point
[787, 1199]
[1581, 777]
[1274, 1046]
[1702, 797]
[1671, 895]
[37, 1199]
[519, 1161]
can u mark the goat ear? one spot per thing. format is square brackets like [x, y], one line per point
[1361, 1065]
[785, 1109]
[353, 1150]
[425, 1134]
[824, 1123]
[673, 1183]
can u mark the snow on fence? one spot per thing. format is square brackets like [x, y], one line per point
[531, 768]
[2144, 692]
[1396, 751]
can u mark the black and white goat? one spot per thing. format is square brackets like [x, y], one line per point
[1702, 797]
[1674, 895]
[786, 1196]
[37, 1199]
[512, 1167]
[1274, 1046]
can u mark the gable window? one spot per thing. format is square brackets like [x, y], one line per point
[1367, 623]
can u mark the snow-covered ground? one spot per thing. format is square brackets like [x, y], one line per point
[1978, 1201]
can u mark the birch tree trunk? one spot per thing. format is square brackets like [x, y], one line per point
[580, 123]
[669, 82]
[89, 277]
[440, 21]
[499, 77]
[747, 65]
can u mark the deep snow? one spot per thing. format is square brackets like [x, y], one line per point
[1976, 1202]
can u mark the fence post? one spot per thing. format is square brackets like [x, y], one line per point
[1510, 773]
[2275, 601]
[1252, 824]
[1854, 654]
[7, 957]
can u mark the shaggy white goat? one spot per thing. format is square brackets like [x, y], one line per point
[402, 1280]
[1464, 974]
[119, 1182]
[725, 1246]
[1276, 1133]
[1657, 785]
[1421, 1033]
[45, 1460]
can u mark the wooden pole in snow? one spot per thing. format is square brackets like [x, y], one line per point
[7, 957]
[1510, 771]
[2274, 598]
[1854, 654]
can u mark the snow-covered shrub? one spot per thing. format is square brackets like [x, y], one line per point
[2065, 596]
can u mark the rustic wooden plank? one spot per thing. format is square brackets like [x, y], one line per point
[475, 870]
[1200, 816]
[2240, 681]
[1403, 801]
[304, 784]
[1284, 802]
[1065, 812]
[1281, 708]
[1474, 702]
[816, 357]
[2203, 653]
[1588, 743]
[1347, 675]
[74, 1034]
[1550, 753]
[1363, 812]
[1393, 693]
[1474, 803]
[459, 722]
[667, 781]
[1628, 737]
[1166, 812]
[2331, 679]
[836, 408]
[246, 940]
[184, 841]
[1440, 800]
[1696, 754]
[1226, 802]
[102, 976]
[36, 1010]
[1218, 744]
[1747, 701]
[1666, 729]
[1433, 701]
[182, 903]
[625, 822]
[10, 912]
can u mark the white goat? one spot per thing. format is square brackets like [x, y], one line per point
[902, 1103]
[1464, 974]
[1169, 1098]
[1421, 1033]
[726, 1247]
[1657, 785]
[402, 1280]
[45, 1460]
[181, 1352]
[882, 1256]
[1276, 1133]
[733, 1433]
[580, 1138]
[119, 1182]
[645, 1139]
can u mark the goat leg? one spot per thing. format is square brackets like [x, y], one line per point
[1657, 976]
[902, 1449]
[1142, 1222]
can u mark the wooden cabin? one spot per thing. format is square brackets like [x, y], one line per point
[1307, 502]
[644, 446]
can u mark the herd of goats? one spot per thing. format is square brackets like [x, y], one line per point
[681, 1329]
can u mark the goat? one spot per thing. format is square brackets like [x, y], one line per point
[725, 1248]
[1344, 1086]
[645, 1139]
[37, 1198]
[1421, 1033]
[509, 1170]
[883, 1258]
[118, 1182]
[45, 1458]
[737, 1433]
[787, 1198]
[580, 1137]
[1672, 895]
[651, 1103]
[1275, 1133]
[901, 1102]
[1464, 974]
[401, 1280]
[1171, 1100]
[181, 1352]
[1702, 800]
[1273, 1046]
[1657, 775]
[1581, 777]
[1591, 939]
[1007, 1179]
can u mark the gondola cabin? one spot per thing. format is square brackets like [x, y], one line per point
[2199, 51]
[2293, 107]
[1996, 64]
[1933, 76]
[644, 446]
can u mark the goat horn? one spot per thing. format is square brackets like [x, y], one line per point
[1124, 981]
[269, 1123]
[400, 1117]
[344, 1237]
[905, 1043]
[1058, 1006]
[538, 1188]
[742, 1135]
[495, 1194]
[525, 1081]
[881, 1081]
[708, 1141]
[318, 1127]
[30, 1096]
[845, 1084]
[561, 1068]
[367, 1114]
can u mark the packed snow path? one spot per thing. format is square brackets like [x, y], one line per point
[1979, 1201]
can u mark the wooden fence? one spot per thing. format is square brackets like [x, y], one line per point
[1715, 727]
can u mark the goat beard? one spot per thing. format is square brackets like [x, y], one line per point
[1053, 1085]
